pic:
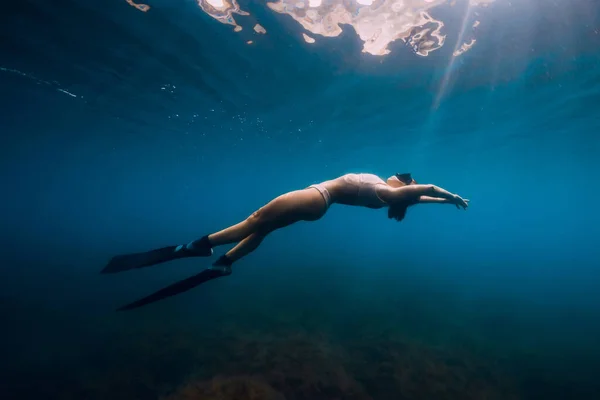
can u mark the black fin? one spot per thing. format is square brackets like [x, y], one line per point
[126, 262]
[176, 288]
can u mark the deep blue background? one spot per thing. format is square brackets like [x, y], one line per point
[179, 128]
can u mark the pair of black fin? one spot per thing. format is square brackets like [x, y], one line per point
[146, 259]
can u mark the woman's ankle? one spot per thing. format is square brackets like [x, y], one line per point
[223, 261]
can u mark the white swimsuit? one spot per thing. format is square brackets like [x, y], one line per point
[324, 192]
[366, 195]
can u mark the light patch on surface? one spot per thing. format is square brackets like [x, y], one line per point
[377, 22]
[141, 7]
[259, 29]
[464, 48]
[216, 3]
[307, 38]
[467, 45]
[377, 25]
[222, 11]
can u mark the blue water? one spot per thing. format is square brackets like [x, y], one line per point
[124, 131]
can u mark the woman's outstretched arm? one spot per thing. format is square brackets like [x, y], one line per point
[430, 193]
[428, 199]
[437, 200]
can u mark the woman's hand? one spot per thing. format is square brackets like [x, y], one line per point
[460, 202]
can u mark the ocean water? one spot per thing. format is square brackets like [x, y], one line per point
[125, 130]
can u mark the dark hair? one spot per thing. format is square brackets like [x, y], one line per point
[397, 211]
[405, 178]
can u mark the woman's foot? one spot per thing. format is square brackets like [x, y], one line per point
[197, 248]
[223, 264]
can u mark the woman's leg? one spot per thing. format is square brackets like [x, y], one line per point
[237, 232]
[245, 247]
[232, 234]
[307, 205]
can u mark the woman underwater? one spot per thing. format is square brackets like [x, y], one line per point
[309, 204]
